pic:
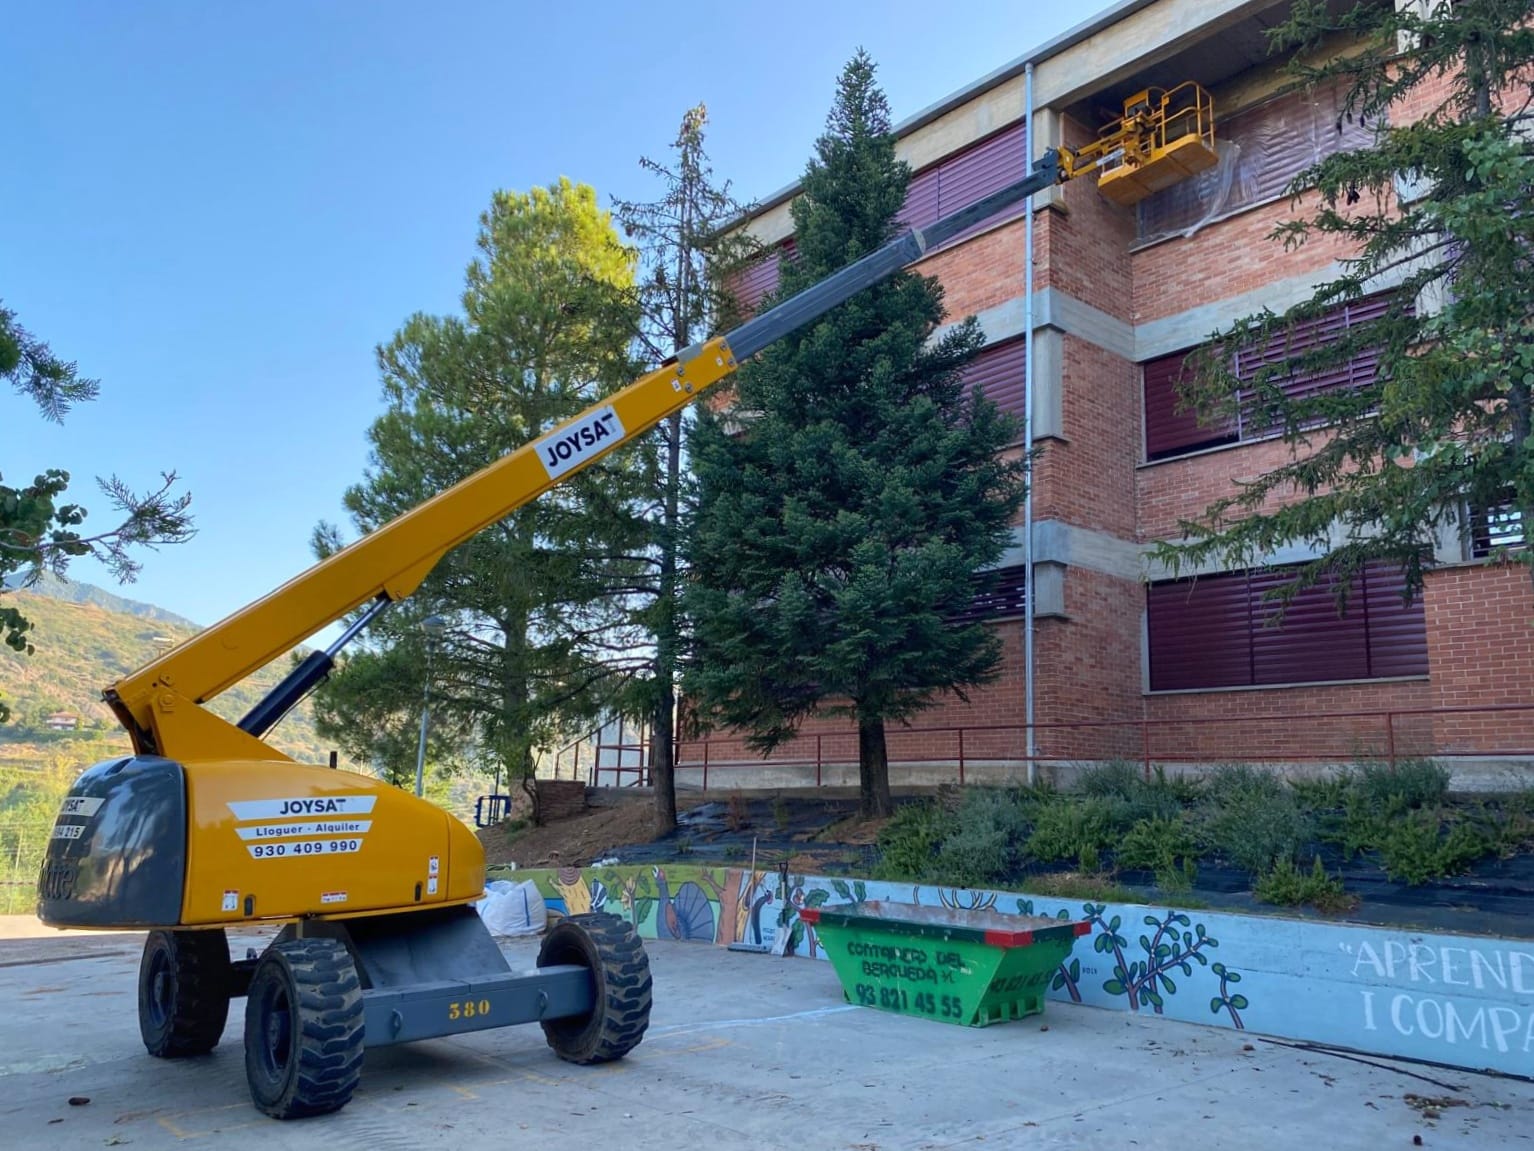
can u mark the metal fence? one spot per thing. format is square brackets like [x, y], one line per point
[1495, 732]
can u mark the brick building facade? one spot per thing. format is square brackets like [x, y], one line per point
[1120, 294]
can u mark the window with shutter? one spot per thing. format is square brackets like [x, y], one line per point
[1172, 432]
[934, 192]
[999, 593]
[998, 372]
[752, 285]
[1218, 631]
[1261, 151]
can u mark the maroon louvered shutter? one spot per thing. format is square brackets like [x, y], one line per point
[921, 200]
[975, 173]
[1200, 633]
[1313, 334]
[999, 593]
[752, 285]
[1169, 431]
[998, 371]
[1312, 642]
[1397, 630]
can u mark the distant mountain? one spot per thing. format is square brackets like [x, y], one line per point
[71, 591]
[82, 646]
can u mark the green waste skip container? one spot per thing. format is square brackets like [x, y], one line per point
[973, 968]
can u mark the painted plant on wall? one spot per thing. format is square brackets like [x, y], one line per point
[1178, 944]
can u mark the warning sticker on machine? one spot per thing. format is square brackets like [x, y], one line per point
[432, 865]
[302, 807]
[431, 886]
[231, 901]
[304, 848]
[333, 897]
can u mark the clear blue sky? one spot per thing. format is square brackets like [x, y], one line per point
[220, 209]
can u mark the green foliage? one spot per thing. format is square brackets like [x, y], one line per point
[780, 812]
[1071, 885]
[1410, 783]
[38, 531]
[1078, 829]
[29, 804]
[909, 841]
[1322, 792]
[839, 529]
[540, 635]
[986, 846]
[1449, 417]
[1287, 886]
[1160, 797]
[1168, 847]
[1253, 820]
[1236, 782]
[1359, 808]
[1424, 844]
[1117, 777]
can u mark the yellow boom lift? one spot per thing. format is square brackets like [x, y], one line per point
[206, 826]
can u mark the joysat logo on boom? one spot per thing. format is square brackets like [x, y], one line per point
[571, 446]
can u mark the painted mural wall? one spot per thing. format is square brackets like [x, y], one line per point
[1464, 1001]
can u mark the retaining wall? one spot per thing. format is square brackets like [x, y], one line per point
[1463, 1001]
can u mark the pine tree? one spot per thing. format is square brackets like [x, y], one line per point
[530, 651]
[685, 253]
[1440, 203]
[838, 531]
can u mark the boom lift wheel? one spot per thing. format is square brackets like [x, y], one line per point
[183, 992]
[608, 947]
[303, 1029]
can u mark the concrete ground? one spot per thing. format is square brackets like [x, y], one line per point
[744, 1052]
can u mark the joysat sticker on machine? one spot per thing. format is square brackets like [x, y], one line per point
[302, 827]
[574, 444]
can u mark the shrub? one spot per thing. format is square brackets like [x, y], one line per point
[1256, 829]
[1235, 782]
[1323, 793]
[1286, 885]
[910, 840]
[1168, 847]
[1117, 777]
[986, 846]
[1411, 783]
[1078, 829]
[1415, 848]
[1160, 797]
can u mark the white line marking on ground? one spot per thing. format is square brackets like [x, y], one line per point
[721, 1024]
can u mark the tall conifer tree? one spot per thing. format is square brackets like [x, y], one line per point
[839, 530]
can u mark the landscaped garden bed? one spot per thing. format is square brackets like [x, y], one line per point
[1387, 844]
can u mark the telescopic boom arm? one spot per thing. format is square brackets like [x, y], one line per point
[160, 703]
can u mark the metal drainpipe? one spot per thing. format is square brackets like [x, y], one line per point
[1028, 589]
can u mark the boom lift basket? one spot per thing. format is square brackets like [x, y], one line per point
[1164, 137]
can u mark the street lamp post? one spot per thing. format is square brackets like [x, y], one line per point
[433, 626]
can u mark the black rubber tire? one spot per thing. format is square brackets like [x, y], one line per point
[608, 947]
[303, 1029]
[183, 992]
